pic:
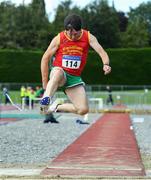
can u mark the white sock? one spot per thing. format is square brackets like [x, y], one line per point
[45, 95]
[85, 118]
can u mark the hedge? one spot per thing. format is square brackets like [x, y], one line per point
[129, 66]
[20, 66]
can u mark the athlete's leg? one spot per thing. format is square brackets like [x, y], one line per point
[57, 79]
[79, 102]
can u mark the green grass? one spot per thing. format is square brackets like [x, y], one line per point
[14, 95]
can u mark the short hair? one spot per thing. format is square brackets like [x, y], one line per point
[73, 21]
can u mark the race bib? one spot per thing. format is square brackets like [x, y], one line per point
[72, 62]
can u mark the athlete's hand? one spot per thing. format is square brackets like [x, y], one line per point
[106, 69]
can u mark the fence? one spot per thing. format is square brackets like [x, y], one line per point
[16, 86]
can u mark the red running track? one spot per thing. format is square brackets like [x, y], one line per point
[107, 148]
[7, 107]
[4, 121]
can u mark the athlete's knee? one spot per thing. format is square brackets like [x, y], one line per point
[83, 110]
[57, 75]
[57, 72]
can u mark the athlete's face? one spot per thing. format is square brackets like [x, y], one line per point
[73, 34]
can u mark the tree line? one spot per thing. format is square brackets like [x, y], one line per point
[28, 26]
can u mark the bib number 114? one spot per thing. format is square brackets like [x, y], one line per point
[71, 63]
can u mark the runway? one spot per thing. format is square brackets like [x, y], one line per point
[107, 148]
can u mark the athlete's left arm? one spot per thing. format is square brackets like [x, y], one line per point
[102, 53]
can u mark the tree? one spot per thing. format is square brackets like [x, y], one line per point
[39, 8]
[123, 21]
[136, 34]
[103, 22]
[7, 25]
[25, 27]
[143, 11]
[39, 23]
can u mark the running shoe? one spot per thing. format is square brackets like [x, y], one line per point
[44, 105]
[50, 119]
[53, 107]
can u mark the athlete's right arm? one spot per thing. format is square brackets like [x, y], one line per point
[51, 50]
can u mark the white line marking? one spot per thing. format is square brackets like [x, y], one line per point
[19, 172]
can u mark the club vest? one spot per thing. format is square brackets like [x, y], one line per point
[72, 54]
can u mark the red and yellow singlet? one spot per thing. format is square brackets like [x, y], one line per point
[71, 55]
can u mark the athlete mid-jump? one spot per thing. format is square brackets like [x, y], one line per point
[70, 48]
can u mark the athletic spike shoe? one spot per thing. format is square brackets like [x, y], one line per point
[53, 107]
[44, 105]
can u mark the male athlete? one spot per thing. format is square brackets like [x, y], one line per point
[70, 48]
